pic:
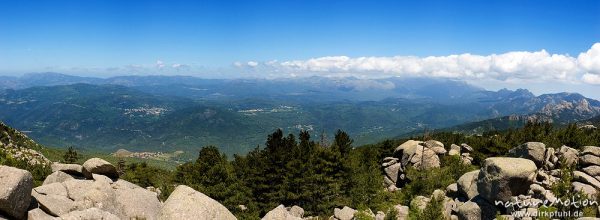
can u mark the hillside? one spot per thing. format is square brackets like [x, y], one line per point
[110, 117]
[560, 109]
[15, 147]
[172, 113]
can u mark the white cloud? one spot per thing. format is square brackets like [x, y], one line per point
[517, 66]
[590, 63]
[591, 78]
[160, 64]
[252, 63]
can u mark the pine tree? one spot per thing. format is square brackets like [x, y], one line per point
[342, 143]
[71, 155]
[121, 166]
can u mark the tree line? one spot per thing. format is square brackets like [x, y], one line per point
[319, 177]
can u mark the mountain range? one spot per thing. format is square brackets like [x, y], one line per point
[168, 113]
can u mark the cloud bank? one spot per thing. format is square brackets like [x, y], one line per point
[518, 66]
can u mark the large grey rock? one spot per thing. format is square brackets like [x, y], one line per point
[534, 151]
[51, 189]
[502, 177]
[102, 167]
[57, 177]
[589, 160]
[73, 169]
[413, 153]
[593, 150]
[280, 213]
[392, 172]
[585, 189]
[568, 155]
[424, 159]
[592, 170]
[436, 146]
[124, 184]
[467, 184]
[584, 178]
[136, 203]
[55, 204]
[15, 191]
[98, 195]
[297, 211]
[433, 143]
[186, 203]
[38, 214]
[406, 146]
[102, 178]
[454, 150]
[469, 211]
[76, 189]
[345, 213]
[549, 159]
[90, 214]
[53, 199]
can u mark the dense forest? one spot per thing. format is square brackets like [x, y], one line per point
[320, 176]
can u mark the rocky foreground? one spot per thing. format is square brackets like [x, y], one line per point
[94, 191]
[527, 176]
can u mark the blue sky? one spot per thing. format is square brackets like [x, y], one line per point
[225, 38]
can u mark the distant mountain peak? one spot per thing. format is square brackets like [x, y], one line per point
[581, 107]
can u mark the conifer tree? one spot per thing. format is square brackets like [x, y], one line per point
[71, 155]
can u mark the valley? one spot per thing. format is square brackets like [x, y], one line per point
[154, 113]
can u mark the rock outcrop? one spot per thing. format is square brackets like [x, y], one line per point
[345, 213]
[93, 191]
[186, 203]
[71, 169]
[15, 191]
[282, 213]
[417, 154]
[526, 177]
[534, 151]
[501, 178]
[467, 184]
[100, 166]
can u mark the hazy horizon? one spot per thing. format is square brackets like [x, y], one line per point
[545, 47]
[585, 90]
